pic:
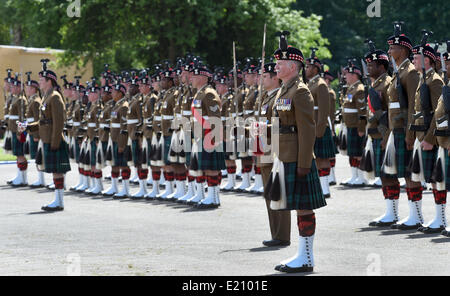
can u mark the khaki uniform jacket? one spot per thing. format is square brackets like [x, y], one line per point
[77, 117]
[104, 120]
[134, 116]
[167, 110]
[51, 119]
[319, 90]
[250, 102]
[157, 113]
[92, 119]
[438, 114]
[34, 104]
[265, 115]
[409, 79]
[435, 84]
[380, 85]
[186, 104]
[119, 123]
[206, 103]
[17, 112]
[354, 106]
[147, 114]
[294, 105]
[8, 100]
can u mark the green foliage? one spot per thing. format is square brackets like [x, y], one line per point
[141, 33]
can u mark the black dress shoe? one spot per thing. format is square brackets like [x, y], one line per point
[429, 230]
[275, 242]
[52, 209]
[206, 206]
[408, 227]
[445, 233]
[331, 183]
[287, 269]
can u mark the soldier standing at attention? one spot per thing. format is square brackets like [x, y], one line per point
[53, 147]
[295, 183]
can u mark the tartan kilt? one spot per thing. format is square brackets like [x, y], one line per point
[214, 160]
[303, 193]
[136, 152]
[402, 157]
[324, 146]
[77, 151]
[17, 146]
[167, 140]
[428, 162]
[355, 143]
[33, 147]
[378, 156]
[93, 152]
[57, 161]
[119, 159]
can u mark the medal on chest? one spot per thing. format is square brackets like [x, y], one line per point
[197, 103]
[284, 104]
[350, 97]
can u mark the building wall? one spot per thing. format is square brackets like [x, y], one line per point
[23, 59]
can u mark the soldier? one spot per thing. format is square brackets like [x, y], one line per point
[279, 221]
[186, 75]
[171, 92]
[246, 98]
[17, 114]
[294, 173]
[7, 85]
[328, 79]
[53, 154]
[424, 125]
[324, 146]
[34, 105]
[229, 109]
[207, 147]
[378, 126]
[155, 154]
[93, 116]
[119, 140]
[74, 121]
[401, 93]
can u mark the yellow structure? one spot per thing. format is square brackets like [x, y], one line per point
[25, 59]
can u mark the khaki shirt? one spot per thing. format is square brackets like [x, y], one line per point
[32, 115]
[435, 84]
[319, 90]
[147, 114]
[104, 120]
[17, 112]
[167, 110]
[119, 123]
[157, 113]
[134, 116]
[409, 79]
[92, 119]
[380, 85]
[206, 103]
[294, 105]
[354, 106]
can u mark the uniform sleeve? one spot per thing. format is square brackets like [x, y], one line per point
[435, 93]
[323, 101]
[123, 138]
[362, 110]
[306, 127]
[412, 84]
[57, 121]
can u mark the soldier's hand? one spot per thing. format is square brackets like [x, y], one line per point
[361, 134]
[301, 172]
[409, 143]
[426, 146]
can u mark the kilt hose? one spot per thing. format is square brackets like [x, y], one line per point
[17, 146]
[378, 156]
[33, 147]
[119, 158]
[402, 157]
[279, 221]
[303, 193]
[354, 143]
[324, 147]
[428, 162]
[57, 161]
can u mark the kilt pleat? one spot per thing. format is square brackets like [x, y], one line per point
[119, 159]
[17, 146]
[93, 153]
[324, 146]
[378, 156]
[57, 161]
[33, 147]
[303, 193]
[355, 143]
[402, 157]
[428, 163]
